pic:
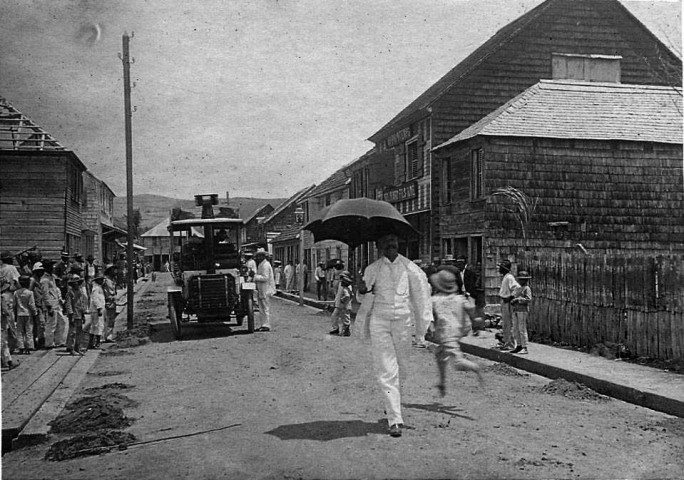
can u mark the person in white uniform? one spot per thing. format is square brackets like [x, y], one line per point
[396, 293]
[265, 288]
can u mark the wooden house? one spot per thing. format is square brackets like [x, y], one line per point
[329, 191]
[41, 188]
[99, 233]
[250, 234]
[569, 165]
[282, 218]
[595, 40]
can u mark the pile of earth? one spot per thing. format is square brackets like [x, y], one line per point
[108, 387]
[98, 412]
[504, 369]
[573, 390]
[90, 444]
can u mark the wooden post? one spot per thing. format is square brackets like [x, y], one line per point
[129, 181]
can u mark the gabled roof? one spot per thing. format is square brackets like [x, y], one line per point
[290, 233]
[586, 111]
[255, 213]
[419, 107]
[162, 230]
[18, 132]
[335, 181]
[293, 199]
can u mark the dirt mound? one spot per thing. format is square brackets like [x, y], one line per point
[109, 386]
[503, 369]
[93, 413]
[574, 390]
[91, 444]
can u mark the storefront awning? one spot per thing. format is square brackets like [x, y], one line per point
[135, 246]
[112, 230]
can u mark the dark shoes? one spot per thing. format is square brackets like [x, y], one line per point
[263, 329]
[442, 390]
[395, 431]
[517, 349]
[334, 332]
[346, 332]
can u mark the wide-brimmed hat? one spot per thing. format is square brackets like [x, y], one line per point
[418, 261]
[37, 266]
[444, 281]
[461, 258]
[75, 279]
[75, 269]
[449, 258]
[261, 251]
[90, 258]
[64, 253]
[346, 276]
[6, 254]
[98, 276]
[109, 266]
[248, 254]
[506, 264]
[78, 255]
[522, 274]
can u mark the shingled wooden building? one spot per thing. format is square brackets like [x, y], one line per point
[41, 189]
[595, 40]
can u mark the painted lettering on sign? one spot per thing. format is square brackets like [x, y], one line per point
[406, 191]
[398, 137]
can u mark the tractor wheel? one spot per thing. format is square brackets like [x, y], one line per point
[250, 313]
[175, 320]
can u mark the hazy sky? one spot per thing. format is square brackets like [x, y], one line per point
[259, 98]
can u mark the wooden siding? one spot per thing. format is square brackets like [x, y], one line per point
[34, 209]
[589, 27]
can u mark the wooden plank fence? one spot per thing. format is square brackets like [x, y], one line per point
[628, 299]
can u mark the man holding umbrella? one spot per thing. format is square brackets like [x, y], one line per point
[399, 292]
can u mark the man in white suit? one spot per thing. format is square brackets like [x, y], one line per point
[265, 288]
[399, 292]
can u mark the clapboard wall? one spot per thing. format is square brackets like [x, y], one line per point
[40, 201]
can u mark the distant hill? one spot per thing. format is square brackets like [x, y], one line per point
[155, 208]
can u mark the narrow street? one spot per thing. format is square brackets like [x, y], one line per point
[298, 403]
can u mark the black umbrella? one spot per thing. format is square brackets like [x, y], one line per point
[359, 220]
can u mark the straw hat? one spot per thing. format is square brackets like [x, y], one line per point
[505, 264]
[37, 266]
[261, 251]
[75, 279]
[444, 281]
[522, 274]
[346, 276]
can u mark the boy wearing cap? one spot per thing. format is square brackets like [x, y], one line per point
[109, 289]
[76, 306]
[452, 313]
[508, 285]
[341, 316]
[97, 310]
[521, 310]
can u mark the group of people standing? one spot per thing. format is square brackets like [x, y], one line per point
[53, 304]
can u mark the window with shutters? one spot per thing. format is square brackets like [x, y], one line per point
[413, 159]
[476, 174]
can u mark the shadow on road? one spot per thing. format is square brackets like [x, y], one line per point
[162, 333]
[438, 408]
[328, 430]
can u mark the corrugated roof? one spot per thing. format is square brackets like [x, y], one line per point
[418, 107]
[256, 212]
[18, 132]
[586, 111]
[290, 233]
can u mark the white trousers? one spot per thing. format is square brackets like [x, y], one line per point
[265, 310]
[56, 328]
[390, 335]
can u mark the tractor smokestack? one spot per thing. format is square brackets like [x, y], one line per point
[207, 202]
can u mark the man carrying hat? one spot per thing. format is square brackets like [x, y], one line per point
[395, 292]
[508, 285]
[265, 288]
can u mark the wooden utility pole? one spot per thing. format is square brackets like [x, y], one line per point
[129, 182]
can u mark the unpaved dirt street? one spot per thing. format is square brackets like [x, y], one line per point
[297, 403]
